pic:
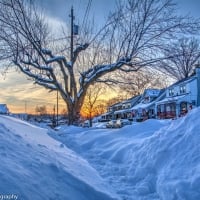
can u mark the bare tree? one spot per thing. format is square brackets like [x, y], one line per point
[115, 100]
[92, 101]
[131, 39]
[41, 110]
[135, 83]
[182, 56]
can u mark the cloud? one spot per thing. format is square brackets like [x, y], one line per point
[16, 90]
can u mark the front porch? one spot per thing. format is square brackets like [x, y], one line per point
[173, 110]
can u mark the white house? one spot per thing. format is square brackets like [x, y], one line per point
[4, 109]
[181, 97]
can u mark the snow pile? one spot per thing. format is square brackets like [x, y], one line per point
[167, 164]
[149, 160]
[35, 166]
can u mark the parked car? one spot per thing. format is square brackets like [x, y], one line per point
[114, 124]
[118, 123]
[86, 124]
[126, 122]
[111, 124]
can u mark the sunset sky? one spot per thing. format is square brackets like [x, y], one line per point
[19, 93]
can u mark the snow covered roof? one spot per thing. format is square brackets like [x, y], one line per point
[107, 113]
[152, 92]
[3, 109]
[132, 99]
[179, 98]
[184, 81]
[122, 111]
[142, 106]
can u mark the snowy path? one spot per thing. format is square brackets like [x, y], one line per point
[153, 160]
[106, 151]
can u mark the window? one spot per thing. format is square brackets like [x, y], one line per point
[182, 89]
[171, 92]
[146, 99]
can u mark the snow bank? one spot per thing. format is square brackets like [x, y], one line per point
[35, 166]
[149, 160]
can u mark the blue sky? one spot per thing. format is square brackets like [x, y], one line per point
[15, 89]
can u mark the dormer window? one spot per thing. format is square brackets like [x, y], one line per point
[182, 89]
[171, 92]
[146, 99]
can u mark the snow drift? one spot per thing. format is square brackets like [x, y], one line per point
[149, 160]
[152, 160]
[35, 166]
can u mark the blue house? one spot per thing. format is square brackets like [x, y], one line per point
[4, 109]
[180, 98]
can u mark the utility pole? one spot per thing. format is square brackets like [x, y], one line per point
[57, 110]
[72, 47]
[72, 36]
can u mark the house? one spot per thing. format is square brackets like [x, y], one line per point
[124, 110]
[146, 108]
[172, 102]
[4, 109]
[137, 108]
[121, 110]
[181, 97]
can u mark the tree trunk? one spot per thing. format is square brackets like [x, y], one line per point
[73, 114]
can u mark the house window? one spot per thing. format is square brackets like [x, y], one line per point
[171, 92]
[146, 99]
[193, 102]
[128, 105]
[182, 89]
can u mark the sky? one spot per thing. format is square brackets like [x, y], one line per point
[20, 94]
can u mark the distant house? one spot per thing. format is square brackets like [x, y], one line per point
[124, 110]
[4, 109]
[121, 110]
[146, 108]
[137, 108]
[181, 97]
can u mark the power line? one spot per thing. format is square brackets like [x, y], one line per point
[86, 14]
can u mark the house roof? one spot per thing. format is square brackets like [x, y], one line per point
[105, 114]
[152, 92]
[147, 105]
[142, 105]
[185, 97]
[122, 111]
[185, 80]
[132, 100]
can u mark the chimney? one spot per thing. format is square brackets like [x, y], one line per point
[197, 70]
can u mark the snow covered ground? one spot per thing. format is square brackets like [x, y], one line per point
[152, 160]
[35, 166]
